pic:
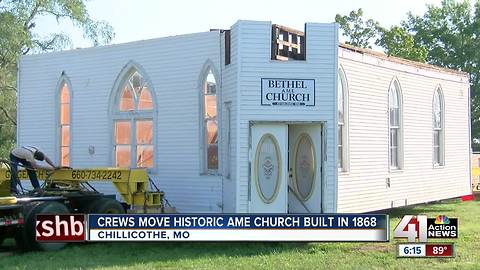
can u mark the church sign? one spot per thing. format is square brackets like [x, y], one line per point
[288, 92]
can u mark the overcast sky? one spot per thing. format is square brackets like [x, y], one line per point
[144, 19]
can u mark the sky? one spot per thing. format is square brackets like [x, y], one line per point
[145, 19]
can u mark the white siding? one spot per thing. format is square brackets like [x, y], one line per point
[172, 65]
[364, 187]
[229, 94]
[254, 64]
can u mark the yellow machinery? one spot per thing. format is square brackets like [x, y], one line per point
[131, 184]
[69, 191]
[476, 179]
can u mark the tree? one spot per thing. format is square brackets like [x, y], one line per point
[446, 35]
[17, 37]
[396, 41]
[359, 32]
[451, 34]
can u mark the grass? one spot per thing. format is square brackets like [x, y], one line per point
[158, 255]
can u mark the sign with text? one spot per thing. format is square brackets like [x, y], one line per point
[420, 227]
[288, 92]
[60, 228]
[241, 227]
[212, 227]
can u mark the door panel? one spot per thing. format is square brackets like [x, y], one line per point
[268, 183]
[305, 168]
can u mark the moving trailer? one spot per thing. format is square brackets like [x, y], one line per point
[256, 118]
[69, 191]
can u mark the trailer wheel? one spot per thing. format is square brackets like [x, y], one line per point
[20, 236]
[26, 236]
[106, 206]
[3, 234]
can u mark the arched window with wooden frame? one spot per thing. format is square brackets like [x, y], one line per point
[133, 125]
[64, 122]
[209, 123]
[438, 132]
[342, 107]
[395, 125]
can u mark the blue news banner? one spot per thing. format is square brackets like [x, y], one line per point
[234, 227]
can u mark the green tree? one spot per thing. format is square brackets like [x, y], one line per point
[358, 32]
[447, 35]
[451, 34]
[396, 41]
[17, 37]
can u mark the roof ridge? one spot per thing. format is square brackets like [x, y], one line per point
[399, 59]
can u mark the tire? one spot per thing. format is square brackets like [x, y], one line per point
[21, 240]
[3, 234]
[26, 237]
[106, 206]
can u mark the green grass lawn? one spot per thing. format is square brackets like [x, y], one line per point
[158, 255]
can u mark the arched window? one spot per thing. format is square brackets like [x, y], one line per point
[64, 124]
[210, 123]
[342, 120]
[395, 124]
[133, 123]
[438, 113]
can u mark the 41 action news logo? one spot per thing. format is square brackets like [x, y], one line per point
[420, 227]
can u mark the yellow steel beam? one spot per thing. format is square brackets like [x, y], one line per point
[80, 175]
[132, 184]
[476, 171]
[476, 179]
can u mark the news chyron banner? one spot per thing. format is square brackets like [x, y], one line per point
[222, 227]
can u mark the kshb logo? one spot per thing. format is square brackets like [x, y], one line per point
[60, 227]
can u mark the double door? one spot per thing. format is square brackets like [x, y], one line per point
[286, 168]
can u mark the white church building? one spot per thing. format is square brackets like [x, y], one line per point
[259, 118]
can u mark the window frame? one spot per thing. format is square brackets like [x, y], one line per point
[132, 116]
[204, 170]
[344, 144]
[63, 80]
[129, 121]
[441, 129]
[395, 84]
[228, 139]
